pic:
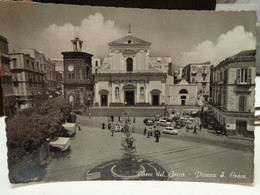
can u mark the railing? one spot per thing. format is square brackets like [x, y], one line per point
[248, 82]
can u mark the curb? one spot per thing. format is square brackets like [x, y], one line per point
[241, 138]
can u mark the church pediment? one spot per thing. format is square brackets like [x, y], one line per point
[129, 40]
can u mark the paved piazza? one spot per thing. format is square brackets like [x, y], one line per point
[186, 156]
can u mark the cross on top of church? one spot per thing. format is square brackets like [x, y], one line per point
[129, 29]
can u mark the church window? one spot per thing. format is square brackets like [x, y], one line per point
[129, 64]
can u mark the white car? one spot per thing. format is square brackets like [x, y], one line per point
[170, 130]
[164, 123]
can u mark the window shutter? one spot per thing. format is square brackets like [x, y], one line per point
[238, 76]
[245, 103]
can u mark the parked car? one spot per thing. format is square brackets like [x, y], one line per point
[188, 121]
[170, 130]
[176, 118]
[148, 121]
[189, 127]
[178, 125]
[167, 119]
[164, 123]
[187, 117]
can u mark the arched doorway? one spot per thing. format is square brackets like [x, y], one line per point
[155, 97]
[104, 97]
[183, 96]
[129, 65]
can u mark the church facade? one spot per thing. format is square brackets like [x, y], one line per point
[129, 76]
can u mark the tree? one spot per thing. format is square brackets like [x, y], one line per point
[128, 164]
[30, 128]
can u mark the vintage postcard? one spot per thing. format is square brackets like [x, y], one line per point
[98, 93]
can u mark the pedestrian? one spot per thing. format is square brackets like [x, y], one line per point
[148, 133]
[103, 126]
[108, 118]
[200, 126]
[134, 120]
[195, 130]
[145, 130]
[79, 127]
[112, 131]
[187, 129]
[109, 126]
[89, 115]
[112, 118]
[118, 118]
[157, 134]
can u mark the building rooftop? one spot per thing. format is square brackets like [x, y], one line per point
[246, 55]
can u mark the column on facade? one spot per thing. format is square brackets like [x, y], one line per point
[121, 94]
[137, 91]
[112, 92]
[97, 97]
[163, 92]
[147, 92]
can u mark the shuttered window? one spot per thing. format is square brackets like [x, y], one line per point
[242, 103]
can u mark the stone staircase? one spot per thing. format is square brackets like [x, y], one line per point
[131, 111]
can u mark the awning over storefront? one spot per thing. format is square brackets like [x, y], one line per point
[71, 127]
[62, 143]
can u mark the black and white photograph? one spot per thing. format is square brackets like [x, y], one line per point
[123, 94]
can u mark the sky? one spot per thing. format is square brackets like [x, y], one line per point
[186, 36]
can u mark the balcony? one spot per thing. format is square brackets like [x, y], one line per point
[239, 82]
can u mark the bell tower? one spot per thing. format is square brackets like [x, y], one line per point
[77, 44]
[78, 79]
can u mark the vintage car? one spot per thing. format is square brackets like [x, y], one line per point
[170, 130]
[167, 119]
[189, 127]
[187, 117]
[179, 124]
[148, 121]
[164, 123]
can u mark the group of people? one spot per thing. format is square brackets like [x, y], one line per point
[149, 133]
[117, 127]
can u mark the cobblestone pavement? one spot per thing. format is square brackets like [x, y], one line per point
[187, 156]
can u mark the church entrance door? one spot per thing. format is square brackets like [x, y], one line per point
[103, 100]
[130, 98]
[155, 100]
